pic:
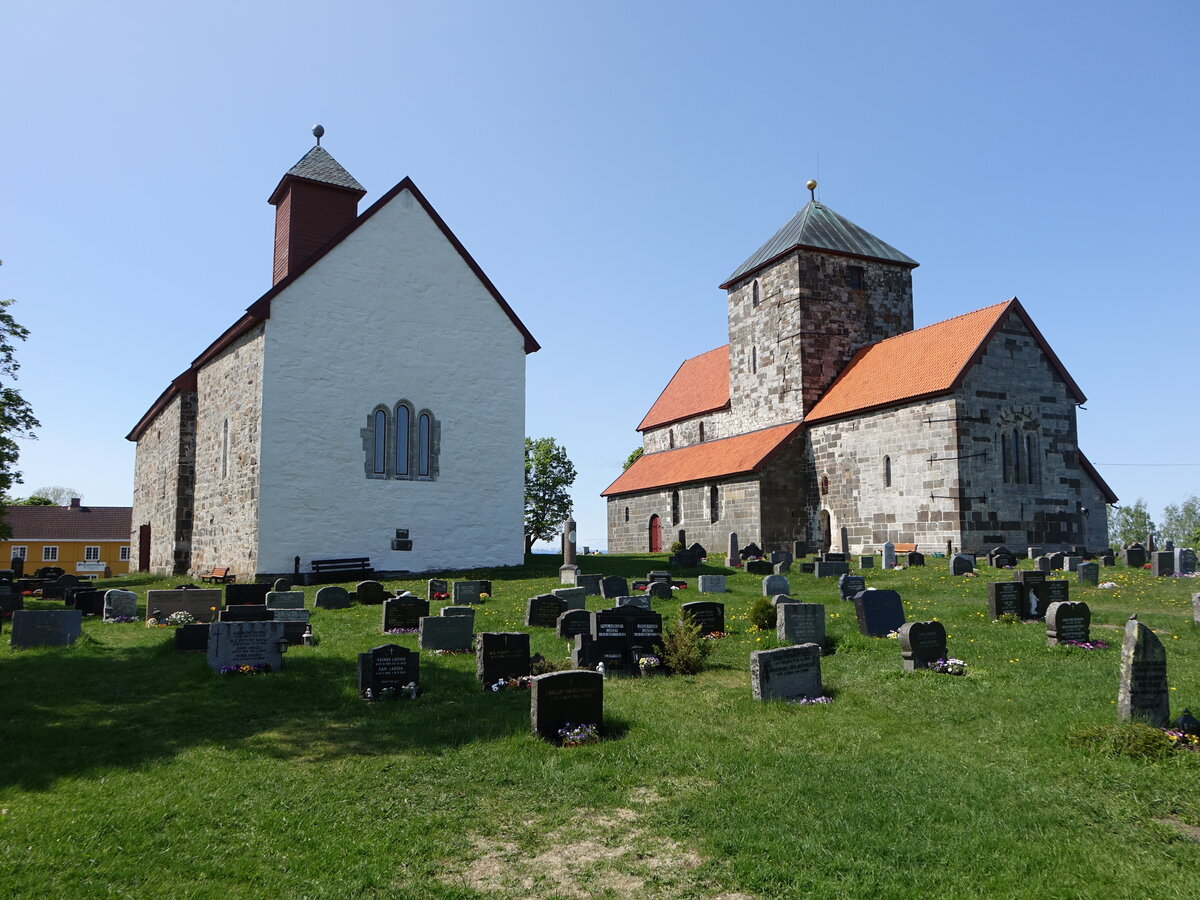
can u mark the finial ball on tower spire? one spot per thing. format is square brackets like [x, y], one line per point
[812, 189]
[318, 132]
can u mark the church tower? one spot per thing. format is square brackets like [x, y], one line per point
[801, 305]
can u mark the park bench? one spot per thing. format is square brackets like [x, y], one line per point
[328, 570]
[219, 575]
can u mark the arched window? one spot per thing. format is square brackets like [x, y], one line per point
[887, 471]
[824, 485]
[380, 447]
[403, 439]
[702, 432]
[1031, 460]
[409, 452]
[754, 297]
[674, 507]
[670, 438]
[714, 503]
[1016, 456]
[424, 440]
[627, 514]
[224, 448]
[1004, 458]
[754, 360]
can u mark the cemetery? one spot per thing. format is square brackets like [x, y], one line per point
[444, 718]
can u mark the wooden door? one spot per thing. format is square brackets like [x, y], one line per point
[655, 535]
[144, 548]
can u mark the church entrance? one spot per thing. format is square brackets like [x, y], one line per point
[655, 535]
[144, 547]
[826, 532]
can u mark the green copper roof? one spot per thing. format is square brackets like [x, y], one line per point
[820, 228]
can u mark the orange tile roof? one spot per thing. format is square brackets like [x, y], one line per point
[699, 462]
[699, 386]
[924, 363]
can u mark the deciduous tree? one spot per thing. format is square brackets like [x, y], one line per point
[1129, 523]
[1181, 523]
[548, 476]
[16, 415]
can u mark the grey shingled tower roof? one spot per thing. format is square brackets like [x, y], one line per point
[820, 228]
[318, 165]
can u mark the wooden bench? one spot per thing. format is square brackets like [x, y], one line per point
[904, 548]
[327, 570]
[219, 575]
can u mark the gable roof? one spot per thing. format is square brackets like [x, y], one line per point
[700, 385]
[819, 228]
[927, 362]
[1105, 491]
[260, 310]
[66, 523]
[701, 462]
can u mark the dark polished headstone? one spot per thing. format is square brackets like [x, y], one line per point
[253, 592]
[543, 611]
[574, 697]
[879, 613]
[786, 673]
[501, 654]
[1068, 621]
[45, 627]
[922, 644]
[1007, 598]
[710, 616]
[387, 667]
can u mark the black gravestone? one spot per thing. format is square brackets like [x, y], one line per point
[573, 622]
[404, 612]
[543, 611]
[829, 568]
[1042, 594]
[834, 557]
[438, 586]
[759, 567]
[45, 627]
[922, 644]
[1068, 621]
[387, 667]
[612, 651]
[566, 698]
[1006, 598]
[915, 559]
[879, 613]
[710, 616]
[613, 586]
[254, 593]
[751, 550]
[192, 638]
[501, 654]
[88, 601]
[851, 585]
[247, 612]
[1029, 576]
[808, 568]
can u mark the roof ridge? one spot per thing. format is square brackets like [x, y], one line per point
[973, 312]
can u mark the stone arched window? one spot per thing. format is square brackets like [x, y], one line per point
[403, 439]
[714, 503]
[887, 471]
[1004, 458]
[702, 432]
[225, 448]
[824, 485]
[424, 444]
[754, 360]
[1033, 473]
[377, 448]
[755, 299]
[674, 507]
[396, 446]
[1016, 456]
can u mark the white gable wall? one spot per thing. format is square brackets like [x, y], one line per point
[391, 313]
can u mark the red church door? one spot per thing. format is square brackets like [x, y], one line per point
[655, 535]
[144, 548]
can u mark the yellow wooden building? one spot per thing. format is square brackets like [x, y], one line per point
[85, 541]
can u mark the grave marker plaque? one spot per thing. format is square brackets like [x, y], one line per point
[543, 611]
[465, 611]
[573, 622]
[1142, 694]
[404, 612]
[613, 586]
[45, 627]
[119, 603]
[922, 644]
[332, 597]
[1067, 621]
[786, 673]
[246, 593]
[501, 654]
[285, 600]
[636, 600]
[445, 633]
[800, 623]
[471, 591]
[247, 612]
[561, 698]
[866, 562]
[775, 584]
[245, 644]
[389, 667]
[849, 585]
[708, 615]
[1007, 598]
[879, 613]
[712, 584]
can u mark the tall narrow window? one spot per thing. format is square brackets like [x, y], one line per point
[1016, 456]
[424, 427]
[714, 503]
[670, 438]
[754, 297]
[627, 514]
[887, 471]
[403, 438]
[224, 448]
[1030, 460]
[380, 452]
[1004, 457]
[702, 432]
[674, 507]
[754, 360]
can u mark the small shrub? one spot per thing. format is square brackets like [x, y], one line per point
[684, 647]
[1009, 619]
[1133, 739]
[762, 614]
[675, 547]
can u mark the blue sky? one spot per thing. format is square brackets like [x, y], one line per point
[608, 166]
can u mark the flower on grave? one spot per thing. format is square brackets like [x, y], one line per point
[181, 617]
[716, 635]
[578, 735]
[120, 620]
[649, 663]
[440, 595]
[259, 669]
[485, 596]
[894, 635]
[26, 593]
[949, 666]
[1086, 645]
[151, 623]
[1107, 585]
[809, 701]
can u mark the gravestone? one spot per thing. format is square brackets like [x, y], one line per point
[698, 550]
[89, 601]
[370, 593]
[1142, 694]
[830, 569]
[731, 556]
[849, 585]
[640, 601]
[1169, 545]
[759, 567]
[45, 627]
[1088, 573]
[1003, 561]
[1134, 556]
[501, 654]
[961, 564]
[781, 568]
[879, 613]
[202, 604]
[589, 583]
[332, 597]
[834, 557]
[247, 593]
[296, 624]
[1058, 559]
[708, 615]
[866, 562]
[712, 584]
[245, 644]
[997, 551]
[444, 633]
[247, 612]
[404, 613]
[119, 603]
[639, 629]
[1029, 576]
[1034, 552]
[1042, 594]
[782, 598]
[1072, 563]
[465, 611]
[573, 622]
[573, 597]
[1185, 561]
[751, 551]
[291, 615]
[471, 591]
[786, 673]
[800, 623]
[1007, 598]
[565, 698]
[543, 611]
[285, 600]
[436, 586]
[613, 586]
[780, 556]
[775, 584]
[1196, 608]
[1068, 621]
[659, 590]
[192, 638]
[922, 644]
[889, 555]
[1044, 565]
[808, 568]
[685, 559]
[11, 603]
[387, 668]
[916, 559]
[281, 585]
[799, 549]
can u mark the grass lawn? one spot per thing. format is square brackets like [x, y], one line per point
[127, 769]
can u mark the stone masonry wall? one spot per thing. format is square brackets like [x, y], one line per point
[684, 434]
[786, 352]
[737, 510]
[225, 531]
[163, 479]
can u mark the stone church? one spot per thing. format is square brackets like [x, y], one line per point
[370, 404]
[828, 419]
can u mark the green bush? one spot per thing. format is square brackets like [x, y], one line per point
[675, 547]
[762, 614]
[684, 648]
[1133, 739]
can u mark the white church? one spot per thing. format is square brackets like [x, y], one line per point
[370, 404]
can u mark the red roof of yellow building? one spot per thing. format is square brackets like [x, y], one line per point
[924, 363]
[700, 385]
[700, 462]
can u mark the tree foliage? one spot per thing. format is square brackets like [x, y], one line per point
[633, 457]
[548, 476]
[1129, 524]
[1181, 523]
[56, 494]
[16, 415]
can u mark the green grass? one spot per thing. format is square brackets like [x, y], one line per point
[129, 770]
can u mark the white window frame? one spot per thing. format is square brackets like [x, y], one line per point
[124, 554]
[19, 552]
[50, 553]
[91, 553]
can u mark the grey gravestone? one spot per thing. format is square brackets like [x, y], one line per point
[782, 568]
[916, 559]
[501, 654]
[613, 586]
[800, 623]
[445, 633]
[566, 698]
[1142, 694]
[1088, 573]
[389, 667]
[780, 556]
[830, 569]
[589, 583]
[1196, 608]
[404, 612]
[1106, 559]
[119, 603]
[889, 555]
[45, 627]
[370, 593]
[731, 555]
[961, 564]
[866, 562]
[573, 622]
[775, 584]
[245, 644]
[1007, 598]
[247, 612]
[202, 604]
[1068, 621]
[282, 585]
[574, 597]
[285, 600]
[192, 638]
[849, 585]
[922, 644]
[438, 586]
[641, 602]
[471, 591]
[1134, 556]
[465, 611]
[879, 613]
[1071, 563]
[543, 611]
[712, 584]
[786, 673]
[659, 590]
[1185, 561]
[332, 597]
[759, 567]
[1042, 594]
[291, 615]
[1044, 565]
[246, 593]
[708, 615]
